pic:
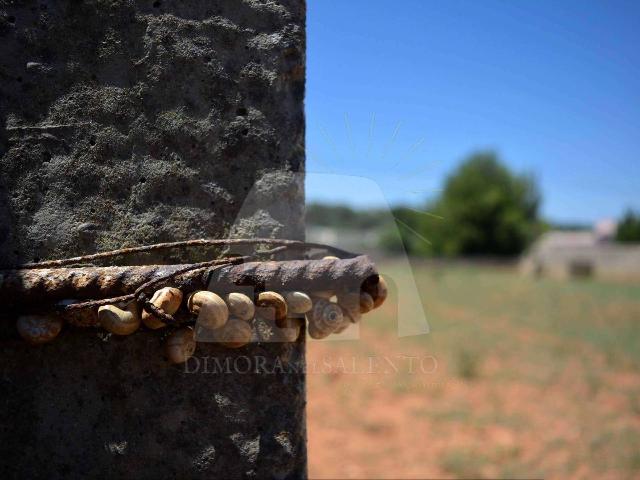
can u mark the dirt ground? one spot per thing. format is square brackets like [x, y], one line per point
[519, 378]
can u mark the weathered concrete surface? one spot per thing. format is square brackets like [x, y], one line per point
[124, 123]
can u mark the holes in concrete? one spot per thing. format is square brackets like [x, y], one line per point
[157, 4]
[11, 19]
[245, 132]
[241, 111]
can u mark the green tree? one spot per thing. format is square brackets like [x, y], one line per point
[629, 228]
[484, 210]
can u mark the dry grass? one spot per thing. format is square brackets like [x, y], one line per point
[522, 379]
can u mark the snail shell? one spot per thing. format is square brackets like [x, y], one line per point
[350, 303]
[324, 318]
[235, 333]
[330, 257]
[38, 329]
[346, 323]
[366, 302]
[240, 306]
[210, 309]
[381, 293]
[377, 290]
[181, 345]
[273, 306]
[168, 299]
[326, 294]
[118, 321]
[298, 302]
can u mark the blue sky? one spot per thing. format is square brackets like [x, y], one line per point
[399, 91]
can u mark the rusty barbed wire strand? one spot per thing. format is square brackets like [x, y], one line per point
[203, 242]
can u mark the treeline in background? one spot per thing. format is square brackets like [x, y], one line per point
[484, 209]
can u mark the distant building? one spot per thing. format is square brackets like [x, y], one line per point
[565, 254]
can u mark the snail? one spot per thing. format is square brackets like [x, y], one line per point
[235, 333]
[298, 302]
[346, 323]
[38, 329]
[181, 345]
[210, 309]
[326, 294]
[330, 257]
[324, 318]
[377, 289]
[240, 306]
[272, 305]
[168, 299]
[119, 321]
[366, 302]
[350, 303]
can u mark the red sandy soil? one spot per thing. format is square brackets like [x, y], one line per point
[515, 418]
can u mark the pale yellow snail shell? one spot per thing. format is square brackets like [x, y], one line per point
[240, 305]
[180, 345]
[273, 306]
[119, 321]
[324, 318]
[298, 302]
[168, 299]
[330, 257]
[38, 329]
[235, 333]
[210, 309]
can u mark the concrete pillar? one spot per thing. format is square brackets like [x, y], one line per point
[125, 123]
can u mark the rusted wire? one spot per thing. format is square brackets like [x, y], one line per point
[27, 289]
[38, 283]
[141, 296]
[158, 312]
[203, 242]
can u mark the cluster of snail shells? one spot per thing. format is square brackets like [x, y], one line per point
[333, 313]
[226, 320]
